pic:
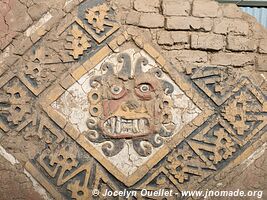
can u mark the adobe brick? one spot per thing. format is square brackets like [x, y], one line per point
[191, 56]
[235, 26]
[133, 18]
[240, 43]
[151, 20]
[188, 23]
[207, 41]
[231, 11]
[180, 37]
[147, 5]
[164, 38]
[176, 7]
[232, 59]
[205, 8]
[172, 37]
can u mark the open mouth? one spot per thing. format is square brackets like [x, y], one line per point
[119, 126]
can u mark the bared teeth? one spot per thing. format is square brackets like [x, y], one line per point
[141, 125]
[135, 126]
[118, 125]
[113, 124]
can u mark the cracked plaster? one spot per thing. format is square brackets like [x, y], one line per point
[74, 106]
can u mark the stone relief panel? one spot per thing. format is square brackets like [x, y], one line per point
[110, 113]
[127, 108]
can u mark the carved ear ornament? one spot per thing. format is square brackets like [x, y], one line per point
[108, 68]
[167, 87]
[95, 81]
[157, 72]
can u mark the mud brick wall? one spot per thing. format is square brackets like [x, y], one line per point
[130, 94]
[200, 32]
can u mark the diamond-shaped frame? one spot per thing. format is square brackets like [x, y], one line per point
[58, 89]
[210, 72]
[245, 82]
[193, 142]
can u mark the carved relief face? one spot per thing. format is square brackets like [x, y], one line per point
[127, 108]
[130, 103]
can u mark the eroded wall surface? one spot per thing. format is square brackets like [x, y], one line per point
[130, 94]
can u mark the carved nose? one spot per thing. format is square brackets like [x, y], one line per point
[130, 105]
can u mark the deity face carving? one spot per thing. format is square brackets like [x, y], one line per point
[129, 105]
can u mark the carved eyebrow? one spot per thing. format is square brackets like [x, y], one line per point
[138, 65]
[125, 72]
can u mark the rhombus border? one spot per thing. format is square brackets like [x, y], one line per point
[57, 90]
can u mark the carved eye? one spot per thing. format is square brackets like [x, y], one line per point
[115, 89]
[144, 88]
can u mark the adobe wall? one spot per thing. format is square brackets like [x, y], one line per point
[198, 33]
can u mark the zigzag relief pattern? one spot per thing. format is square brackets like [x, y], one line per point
[107, 112]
